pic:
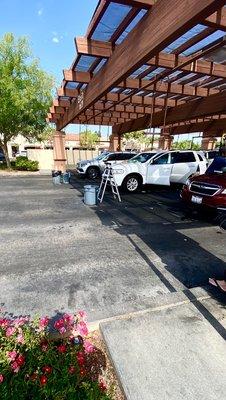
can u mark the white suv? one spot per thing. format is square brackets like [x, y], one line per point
[161, 168]
[94, 168]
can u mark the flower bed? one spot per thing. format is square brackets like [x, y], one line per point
[50, 359]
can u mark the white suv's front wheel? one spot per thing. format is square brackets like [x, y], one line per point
[132, 184]
[93, 172]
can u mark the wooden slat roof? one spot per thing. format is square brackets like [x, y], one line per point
[185, 70]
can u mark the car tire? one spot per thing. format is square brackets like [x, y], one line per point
[132, 184]
[93, 173]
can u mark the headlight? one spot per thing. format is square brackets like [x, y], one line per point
[188, 182]
[118, 171]
[224, 191]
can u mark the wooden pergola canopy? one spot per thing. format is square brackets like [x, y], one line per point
[148, 63]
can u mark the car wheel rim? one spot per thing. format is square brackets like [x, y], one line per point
[92, 173]
[132, 184]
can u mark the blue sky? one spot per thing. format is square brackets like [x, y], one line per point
[51, 26]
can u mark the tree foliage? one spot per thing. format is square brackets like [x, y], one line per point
[89, 139]
[186, 145]
[134, 140]
[25, 92]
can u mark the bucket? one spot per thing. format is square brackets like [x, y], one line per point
[90, 195]
[66, 177]
[56, 175]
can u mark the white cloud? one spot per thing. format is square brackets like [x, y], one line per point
[40, 12]
[55, 40]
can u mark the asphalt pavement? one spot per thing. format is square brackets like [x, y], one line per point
[56, 254]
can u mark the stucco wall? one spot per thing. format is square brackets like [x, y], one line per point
[44, 157]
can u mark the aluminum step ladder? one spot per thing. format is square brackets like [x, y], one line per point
[108, 177]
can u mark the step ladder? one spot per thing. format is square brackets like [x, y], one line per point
[108, 177]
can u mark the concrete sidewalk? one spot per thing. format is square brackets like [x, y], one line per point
[175, 353]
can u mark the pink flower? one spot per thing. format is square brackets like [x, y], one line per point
[43, 322]
[15, 366]
[12, 355]
[4, 323]
[1, 378]
[82, 328]
[82, 314]
[102, 385]
[68, 319]
[62, 348]
[44, 345]
[59, 324]
[62, 330]
[10, 331]
[71, 369]
[89, 348]
[20, 338]
[20, 321]
[20, 360]
[80, 358]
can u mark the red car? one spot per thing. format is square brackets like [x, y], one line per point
[208, 190]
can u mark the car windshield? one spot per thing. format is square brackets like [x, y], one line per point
[142, 157]
[218, 166]
[101, 156]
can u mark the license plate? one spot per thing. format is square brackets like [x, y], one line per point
[196, 199]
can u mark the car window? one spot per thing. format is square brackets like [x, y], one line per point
[111, 157]
[119, 156]
[182, 157]
[142, 157]
[127, 156]
[164, 159]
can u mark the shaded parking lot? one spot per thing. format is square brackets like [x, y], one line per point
[58, 254]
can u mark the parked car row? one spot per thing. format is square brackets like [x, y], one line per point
[202, 185]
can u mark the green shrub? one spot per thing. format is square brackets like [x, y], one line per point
[23, 164]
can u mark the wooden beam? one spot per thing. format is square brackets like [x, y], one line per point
[93, 47]
[137, 100]
[217, 20]
[195, 39]
[215, 104]
[122, 27]
[133, 83]
[77, 76]
[170, 60]
[165, 22]
[146, 4]
[162, 87]
[66, 92]
[61, 103]
[202, 67]
[205, 126]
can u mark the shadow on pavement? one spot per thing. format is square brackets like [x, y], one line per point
[156, 225]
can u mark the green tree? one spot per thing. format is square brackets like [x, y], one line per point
[135, 139]
[186, 145]
[25, 92]
[89, 139]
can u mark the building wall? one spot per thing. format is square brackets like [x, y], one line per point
[44, 157]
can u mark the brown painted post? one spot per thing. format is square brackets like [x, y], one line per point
[165, 140]
[115, 142]
[59, 154]
[208, 143]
